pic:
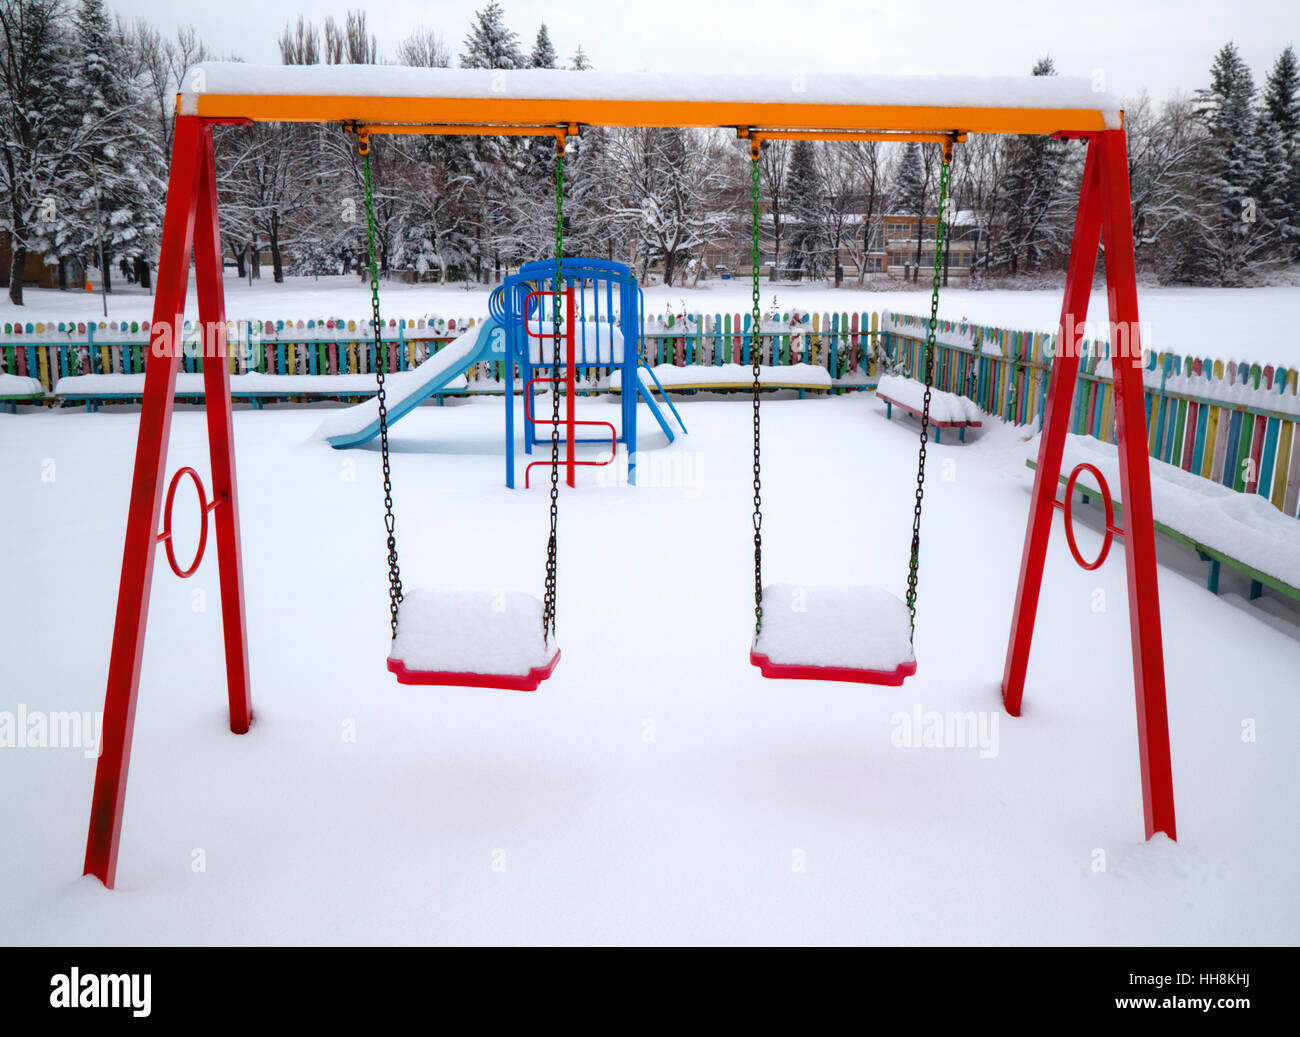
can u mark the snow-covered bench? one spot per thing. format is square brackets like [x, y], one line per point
[699, 378]
[254, 387]
[1224, 527]
[16, 389]
[947, 409]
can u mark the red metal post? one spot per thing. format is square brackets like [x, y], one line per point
[221, 440]
[1056, 421]
[1135, 492]
[570, 384]
[139, 550]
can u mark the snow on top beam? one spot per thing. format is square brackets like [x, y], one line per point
[497, 97]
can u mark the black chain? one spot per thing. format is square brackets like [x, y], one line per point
[755, 356]
[548, 610]
[390, 520]
[927, 361]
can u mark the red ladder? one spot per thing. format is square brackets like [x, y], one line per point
[570, 421]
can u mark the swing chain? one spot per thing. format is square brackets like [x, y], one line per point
[755, 356]
[927, 361]
[548, 609]
[390, 520]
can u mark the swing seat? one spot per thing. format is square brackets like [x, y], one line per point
[855, 634]
[476, 639]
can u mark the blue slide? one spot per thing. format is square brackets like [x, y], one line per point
[406, 390]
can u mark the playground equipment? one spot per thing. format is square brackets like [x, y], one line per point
[872, 641]
[553, 103]
[602, 321]
[607, 314]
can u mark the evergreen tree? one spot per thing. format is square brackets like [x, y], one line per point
[1280, 128]
[543, 55]
[580, 62]
[909, 190]
[1035, 223]
[116, 186]
[807, 207]
[33, 140]
[1239, 233]
[491, 43]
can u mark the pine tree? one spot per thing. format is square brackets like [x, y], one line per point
[580, 62]
[807, 197]
[909, 190]
[1282, 97]
[543, 55]
[1239, 233]
[1279, 123]
[33, 141]
[117, 190]
[491, 43]
[1035, 224]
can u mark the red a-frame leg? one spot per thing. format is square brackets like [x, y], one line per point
[191, 198]
[1104, 204]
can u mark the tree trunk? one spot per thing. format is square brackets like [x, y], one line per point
[17, 260]
[277, 262]
[240, 257]
[143, 274]
[63, 275]
[106, 271]
[670, 268]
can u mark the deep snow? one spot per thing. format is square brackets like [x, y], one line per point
[656, 788]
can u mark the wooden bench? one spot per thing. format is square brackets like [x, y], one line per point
[16, 389]
[938, 425]
[1215, 556]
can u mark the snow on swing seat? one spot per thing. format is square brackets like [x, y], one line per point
[479, 639]
[856, 634]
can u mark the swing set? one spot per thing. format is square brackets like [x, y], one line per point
[859, 635]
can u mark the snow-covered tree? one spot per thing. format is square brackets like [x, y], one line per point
[1036, 207]
[910, 188]
[112, 176]
[491, 43]
[807, 210]
[543, 55]
[33, 67]
[580, 62]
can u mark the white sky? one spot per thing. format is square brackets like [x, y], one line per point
[1159, 45]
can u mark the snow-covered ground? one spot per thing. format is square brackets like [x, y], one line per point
[657, 789]
[1257, 324]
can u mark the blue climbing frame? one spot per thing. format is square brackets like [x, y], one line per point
[607, 297]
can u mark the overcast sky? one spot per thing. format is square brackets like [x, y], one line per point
[1159, 45]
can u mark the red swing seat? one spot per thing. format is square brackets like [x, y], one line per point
[474, 639]
[859, 635]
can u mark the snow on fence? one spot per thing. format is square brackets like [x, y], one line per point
[1234, 423]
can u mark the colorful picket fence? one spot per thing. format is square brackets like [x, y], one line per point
[1235, 423]
[49, 352]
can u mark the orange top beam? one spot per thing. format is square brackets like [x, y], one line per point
[524, 98]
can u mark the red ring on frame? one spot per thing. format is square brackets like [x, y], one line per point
[1109, 536]
[167, 522]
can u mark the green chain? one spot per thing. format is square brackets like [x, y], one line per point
[927, 358]
[381, 358]
[548, 610]
[755, 356]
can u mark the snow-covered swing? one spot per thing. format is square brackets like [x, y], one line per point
[482, 639]
[858, 634]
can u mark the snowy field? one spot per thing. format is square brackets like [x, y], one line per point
[657, 789]
[1257, 324]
